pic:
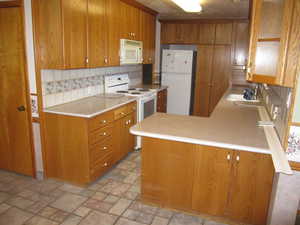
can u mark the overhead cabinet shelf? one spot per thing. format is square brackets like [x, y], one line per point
[274, 42]
[86, 33]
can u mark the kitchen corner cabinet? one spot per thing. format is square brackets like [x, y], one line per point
[162, 98]
[220, 182]
[274, 42]
[130, 28]
[80, 150]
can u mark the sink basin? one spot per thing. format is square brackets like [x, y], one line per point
[239, 98]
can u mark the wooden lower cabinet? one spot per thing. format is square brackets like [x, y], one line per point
[162, 98]
[80, 150]
[207, 180]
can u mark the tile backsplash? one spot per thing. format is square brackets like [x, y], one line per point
[62, 86]
[277, 96]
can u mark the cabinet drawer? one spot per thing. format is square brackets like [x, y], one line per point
[100, 149]
[100, 134]
[101, 167]
[131, 107]
[101, 120]
[120, 112]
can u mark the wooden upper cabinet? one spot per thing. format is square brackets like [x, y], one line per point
[97, 33]
[206, 34]
[114, 23]
[240, 43]
[224, 33]
[130, 18]
[168, 33]
[74, 24]
[147, 31]
[273, 44]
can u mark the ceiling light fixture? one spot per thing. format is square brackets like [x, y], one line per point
[189, 5]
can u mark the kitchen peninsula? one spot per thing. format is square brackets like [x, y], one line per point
[221, 166]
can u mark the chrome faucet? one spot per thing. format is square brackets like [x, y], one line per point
[255, 95]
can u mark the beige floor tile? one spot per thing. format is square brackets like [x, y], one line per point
[121, 189]
[111, 199]
[37, 207]
[131, 214]
[37, 220]
[123, 221]
[145, 218]
[82, 211]
[4, 207]
[69, 202]
[160, 221]
[20, 202]
[120, 207]
[48, 212]
[72, 220]
[183, 219]
[99, 196]
[98, 205]
[165, 213]
[213, 223]
[139, 206]
[14, 216]
[98, 218]
[59, 216]
[71, 188]
[4, 196]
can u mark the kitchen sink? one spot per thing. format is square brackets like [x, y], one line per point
[240, 98]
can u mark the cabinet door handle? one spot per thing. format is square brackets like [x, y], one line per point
[228, 157]
[129, 121]
[238, 158]
[103, 121]
[105, 60]
[105, 164]
[104, 148]
[104, 133]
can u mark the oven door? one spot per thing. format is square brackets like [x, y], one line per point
[147, 107]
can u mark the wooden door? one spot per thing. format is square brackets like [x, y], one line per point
[97, 33]
[113, 16]
[251, 188]
[15, 133]
[75, 33]
[211, 180]
[224, 33]
[167, 176]
[203, 80]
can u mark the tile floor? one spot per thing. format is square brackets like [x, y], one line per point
[112, 200]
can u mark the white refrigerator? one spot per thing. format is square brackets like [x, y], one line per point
[178, 69]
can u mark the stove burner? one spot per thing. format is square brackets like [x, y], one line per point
[131, 89]
[122, 91]
[135, 93]
[144, 89]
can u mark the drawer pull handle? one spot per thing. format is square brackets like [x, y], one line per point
[122, 113]
[104, 134]
[238, 158]
[103, 121]
[104, 148]
[105, 164]
[228, 157]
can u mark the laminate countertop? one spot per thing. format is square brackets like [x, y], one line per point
[91, 106]
[231, 125]
[156, 87]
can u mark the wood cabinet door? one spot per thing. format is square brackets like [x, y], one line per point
[74, 15]
[15, 121]
[134, 15]
[145, 35]
[240, 43]
[167, 173]
[203, 80]
[114, 23]
[168, 33]
[152, 38]
[97, 33]
[131, 120]
[211, 180]
[251, 188]
[224, 34]
[206, 34]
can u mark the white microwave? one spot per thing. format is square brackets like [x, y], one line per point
[131, 52]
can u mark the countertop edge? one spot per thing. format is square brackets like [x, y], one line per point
[90, 115]
[199, 141]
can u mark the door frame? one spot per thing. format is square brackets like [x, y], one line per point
[19, 4]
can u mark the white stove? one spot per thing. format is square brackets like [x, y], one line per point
[146, 98]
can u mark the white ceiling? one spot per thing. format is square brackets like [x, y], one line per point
[212, 9]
